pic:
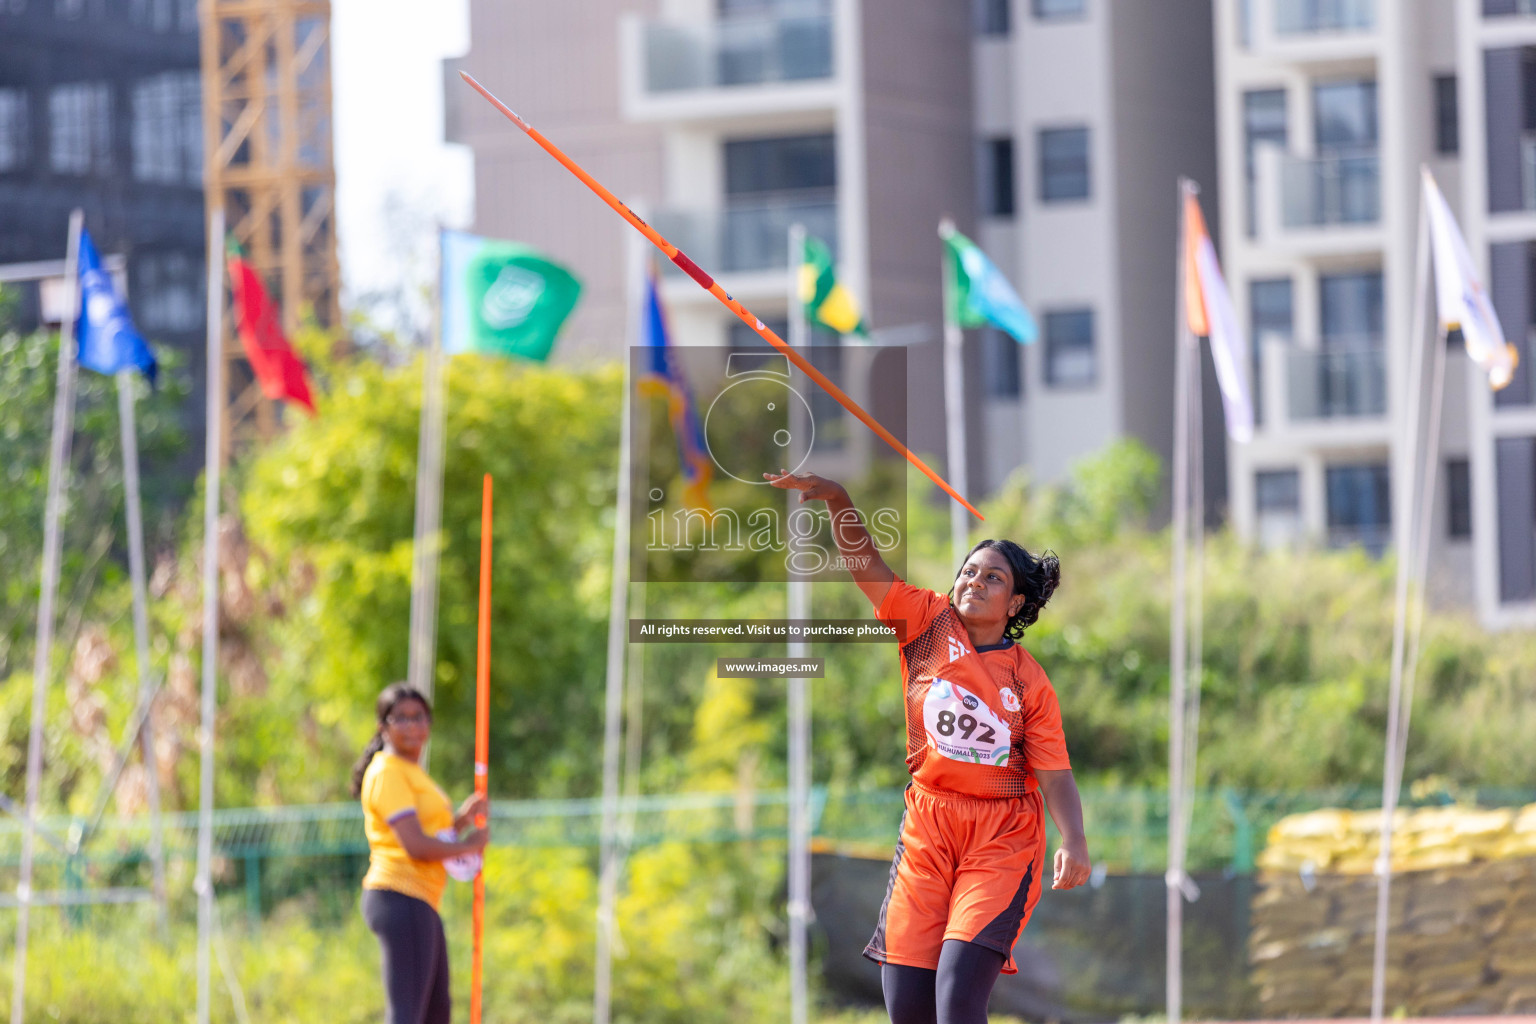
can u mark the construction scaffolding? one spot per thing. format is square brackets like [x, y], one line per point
[266, 72]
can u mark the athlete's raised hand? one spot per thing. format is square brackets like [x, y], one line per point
[810, 486]
[861, 557]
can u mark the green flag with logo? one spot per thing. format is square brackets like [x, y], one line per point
[502, 298]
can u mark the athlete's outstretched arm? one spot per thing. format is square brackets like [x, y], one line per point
[868, 569]
[1072, 866]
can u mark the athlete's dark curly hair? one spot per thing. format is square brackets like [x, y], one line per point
[1034, 576]
[391, 695]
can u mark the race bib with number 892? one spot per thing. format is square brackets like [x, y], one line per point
[961, 726]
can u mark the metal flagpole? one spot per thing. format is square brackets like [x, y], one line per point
[215, 391]
[1397, 732]
[427, 542]
[1196, 611]
[136, 575]
[954, 411]
[53, 513]
[798, 607]
[613, 702]
[1178, 629]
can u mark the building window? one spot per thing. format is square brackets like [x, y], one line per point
[771, 183]
[1277, 502]
[80, 128]
[1353, 310]
[168, 291]
[1514, 466]
[1458, 492]
[1063, 164]
[167, 129]
[1345, 116]
[992, 18]
[1264, 121]
[1447, 123]
[1070, 361]
[159, 15]
[1272, 320]
[1001, 367]
[1052, 10]
[787, 163]
[15, 130]
[995, 163]
[1359, 507]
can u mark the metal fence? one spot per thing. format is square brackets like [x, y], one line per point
[276, 853]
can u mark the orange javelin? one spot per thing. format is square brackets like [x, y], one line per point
[712, 286]
[482, 735]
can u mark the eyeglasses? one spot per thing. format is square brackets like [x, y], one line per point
[408, 719]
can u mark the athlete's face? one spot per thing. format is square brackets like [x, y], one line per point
[407, 728]
[983, 594]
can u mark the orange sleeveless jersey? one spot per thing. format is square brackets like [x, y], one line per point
[979, 724]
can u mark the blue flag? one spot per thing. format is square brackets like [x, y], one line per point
[662, 377]
[108, 340]
[979, 294]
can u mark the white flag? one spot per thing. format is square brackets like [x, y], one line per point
[1460, 298]
[1209, 311]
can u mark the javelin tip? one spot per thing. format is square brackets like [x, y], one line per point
[474, 84]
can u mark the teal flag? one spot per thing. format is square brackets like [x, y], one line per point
[978, 294]
[502, 298]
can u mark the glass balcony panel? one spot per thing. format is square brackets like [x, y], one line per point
[1302, 17]
[1336, 382]
[1338, 188]
[748, 236]
[1373, 538]
[737, 51]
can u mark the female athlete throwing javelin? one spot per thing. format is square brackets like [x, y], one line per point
[984, 742]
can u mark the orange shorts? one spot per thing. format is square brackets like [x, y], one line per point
[965, 868]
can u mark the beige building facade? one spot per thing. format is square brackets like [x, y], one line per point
[1051, 132]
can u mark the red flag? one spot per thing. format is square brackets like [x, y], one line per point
[276, 365]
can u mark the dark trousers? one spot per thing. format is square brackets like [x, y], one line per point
[956, 993]
[415, 957]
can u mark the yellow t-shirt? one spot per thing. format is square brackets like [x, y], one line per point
[392, 788]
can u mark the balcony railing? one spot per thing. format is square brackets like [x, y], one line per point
[1332, 383]
[1305, 17]
[748, 236]
[1338, 188]
[737, 51]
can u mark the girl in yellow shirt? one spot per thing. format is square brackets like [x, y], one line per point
[411, 831]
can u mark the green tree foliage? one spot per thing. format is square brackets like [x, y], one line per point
[1296, 651]
[93, 524]
[93, 595]
[337, 494]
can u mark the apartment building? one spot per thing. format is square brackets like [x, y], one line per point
[1051, 132]
[100, 107]
[1328, 108]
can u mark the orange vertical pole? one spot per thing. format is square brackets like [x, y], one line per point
[482, 734]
